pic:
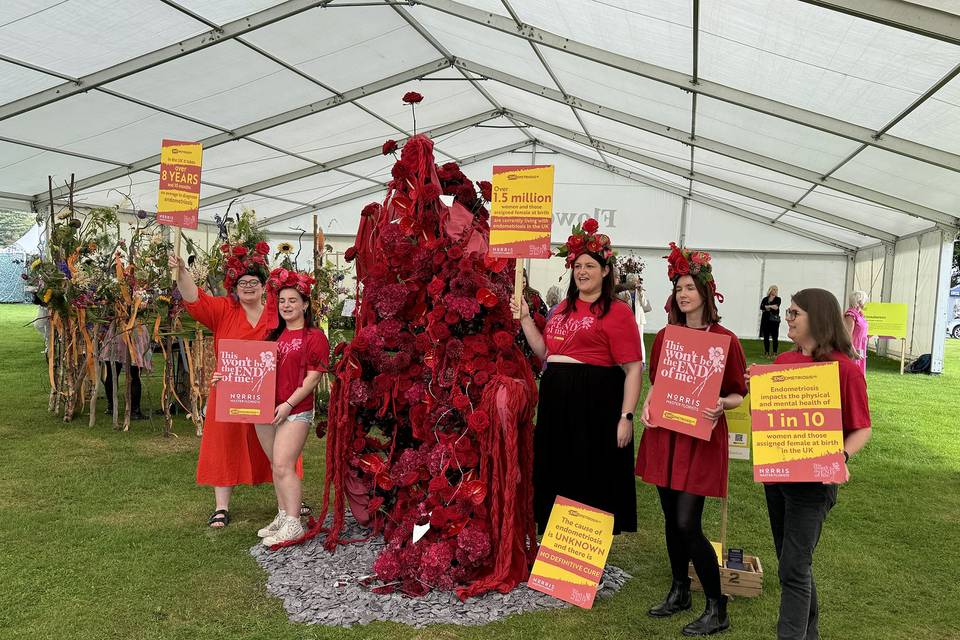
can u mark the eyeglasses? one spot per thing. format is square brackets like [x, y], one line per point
[792, 314]
[248, 284]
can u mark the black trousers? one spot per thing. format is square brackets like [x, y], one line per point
[770, 331]
[135, 388]
[797, 511]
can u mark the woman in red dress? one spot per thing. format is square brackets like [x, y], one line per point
[687, 469]
[229, 451]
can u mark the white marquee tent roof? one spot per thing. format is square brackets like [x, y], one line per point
[833, 120]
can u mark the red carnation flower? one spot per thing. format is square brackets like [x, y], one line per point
[389, 147]
[412, 97]
[239, 251]
[591, 225]
[350, 254]
[486, 190]
[263, 248]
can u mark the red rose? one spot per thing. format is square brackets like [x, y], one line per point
[389, 147]
[263, 248]
[412, 97]
[478, 421]
[239, 251]
[681, 266]
[234, 263]
[481, 377]
[350, 254]
[486, 190]
[603, 239]
[455, 252]
[575, 242]
[502, 339]
[593, 246]
[486, 297]
[258, 259]
[436, 286]
[225, 248]
[371, 209]
[591, 225]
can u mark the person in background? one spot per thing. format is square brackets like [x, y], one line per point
[641, 306]
[537, 310]
[857, 326]
[115, 353]
[553, 299]
[685, 469]
[797, 510]
[770, 321]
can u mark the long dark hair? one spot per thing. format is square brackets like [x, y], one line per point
[282, 324]
[606, 290]
[825, 319]
[711, 315]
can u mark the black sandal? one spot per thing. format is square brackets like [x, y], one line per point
[305, 510]
[220, 517]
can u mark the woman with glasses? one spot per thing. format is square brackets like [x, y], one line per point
[229, 452]
[797, 509]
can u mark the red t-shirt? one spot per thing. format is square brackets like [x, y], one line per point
[854, 406]
[584, 336]
[299, 351]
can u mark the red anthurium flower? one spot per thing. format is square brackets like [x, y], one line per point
[486, 297]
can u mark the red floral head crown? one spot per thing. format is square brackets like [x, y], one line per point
[288, 279]
[241, 260]
[585, 239]
[684, 262]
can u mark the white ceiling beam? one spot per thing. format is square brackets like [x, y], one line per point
[719, 183]
[159, 56]
[373, 152]
[702, 199]
[702, 87]
[707, 144]
[908, 16]
[479, 157]
[268, 122]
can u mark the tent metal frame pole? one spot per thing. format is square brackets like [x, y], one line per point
[908, 16]
[366, 154]
[719, 183]
[443, 51]
[157, 57]
[706, 88]
[257, 126]
[703, 199]
[942, 301]
[886, 288]
[281, 217]
[721, 148]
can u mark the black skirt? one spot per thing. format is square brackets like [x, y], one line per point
[575, 444]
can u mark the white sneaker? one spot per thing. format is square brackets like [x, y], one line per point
[291, 529]
[274, 526]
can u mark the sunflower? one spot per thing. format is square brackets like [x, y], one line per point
[285, 248]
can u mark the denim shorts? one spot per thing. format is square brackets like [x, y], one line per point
[305, 416]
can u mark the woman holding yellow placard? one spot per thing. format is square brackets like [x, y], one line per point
[797, 510]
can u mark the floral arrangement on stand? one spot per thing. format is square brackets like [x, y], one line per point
[430, 422]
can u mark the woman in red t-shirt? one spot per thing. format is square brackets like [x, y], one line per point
[687, 469]
[303, 354]
[583, 444]
[797, 510]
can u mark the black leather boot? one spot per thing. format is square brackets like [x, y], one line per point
[677, 600]
[713, 620]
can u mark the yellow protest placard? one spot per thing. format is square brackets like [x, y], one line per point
[573, 552]
[178, 200]
[521, 211]
[738, 430]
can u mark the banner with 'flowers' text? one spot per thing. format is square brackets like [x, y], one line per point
[688, 378]
[247, 387]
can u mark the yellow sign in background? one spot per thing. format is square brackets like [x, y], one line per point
[738, 430]
[886, 319]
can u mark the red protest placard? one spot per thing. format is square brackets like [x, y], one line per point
[247, 388]
[688, 380]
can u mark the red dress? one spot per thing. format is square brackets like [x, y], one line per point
[684, 463]
[230, 453]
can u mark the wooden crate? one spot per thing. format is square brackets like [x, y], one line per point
[735, 582]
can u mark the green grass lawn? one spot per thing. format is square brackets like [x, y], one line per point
[103, 534]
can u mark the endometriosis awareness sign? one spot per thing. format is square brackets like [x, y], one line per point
[247, 388]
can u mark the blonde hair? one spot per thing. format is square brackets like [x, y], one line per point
[773, 289]
[553, 296]
[857, 298]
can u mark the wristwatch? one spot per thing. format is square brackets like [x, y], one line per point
[627, 415]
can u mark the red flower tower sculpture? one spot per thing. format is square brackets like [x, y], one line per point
[430, 424]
